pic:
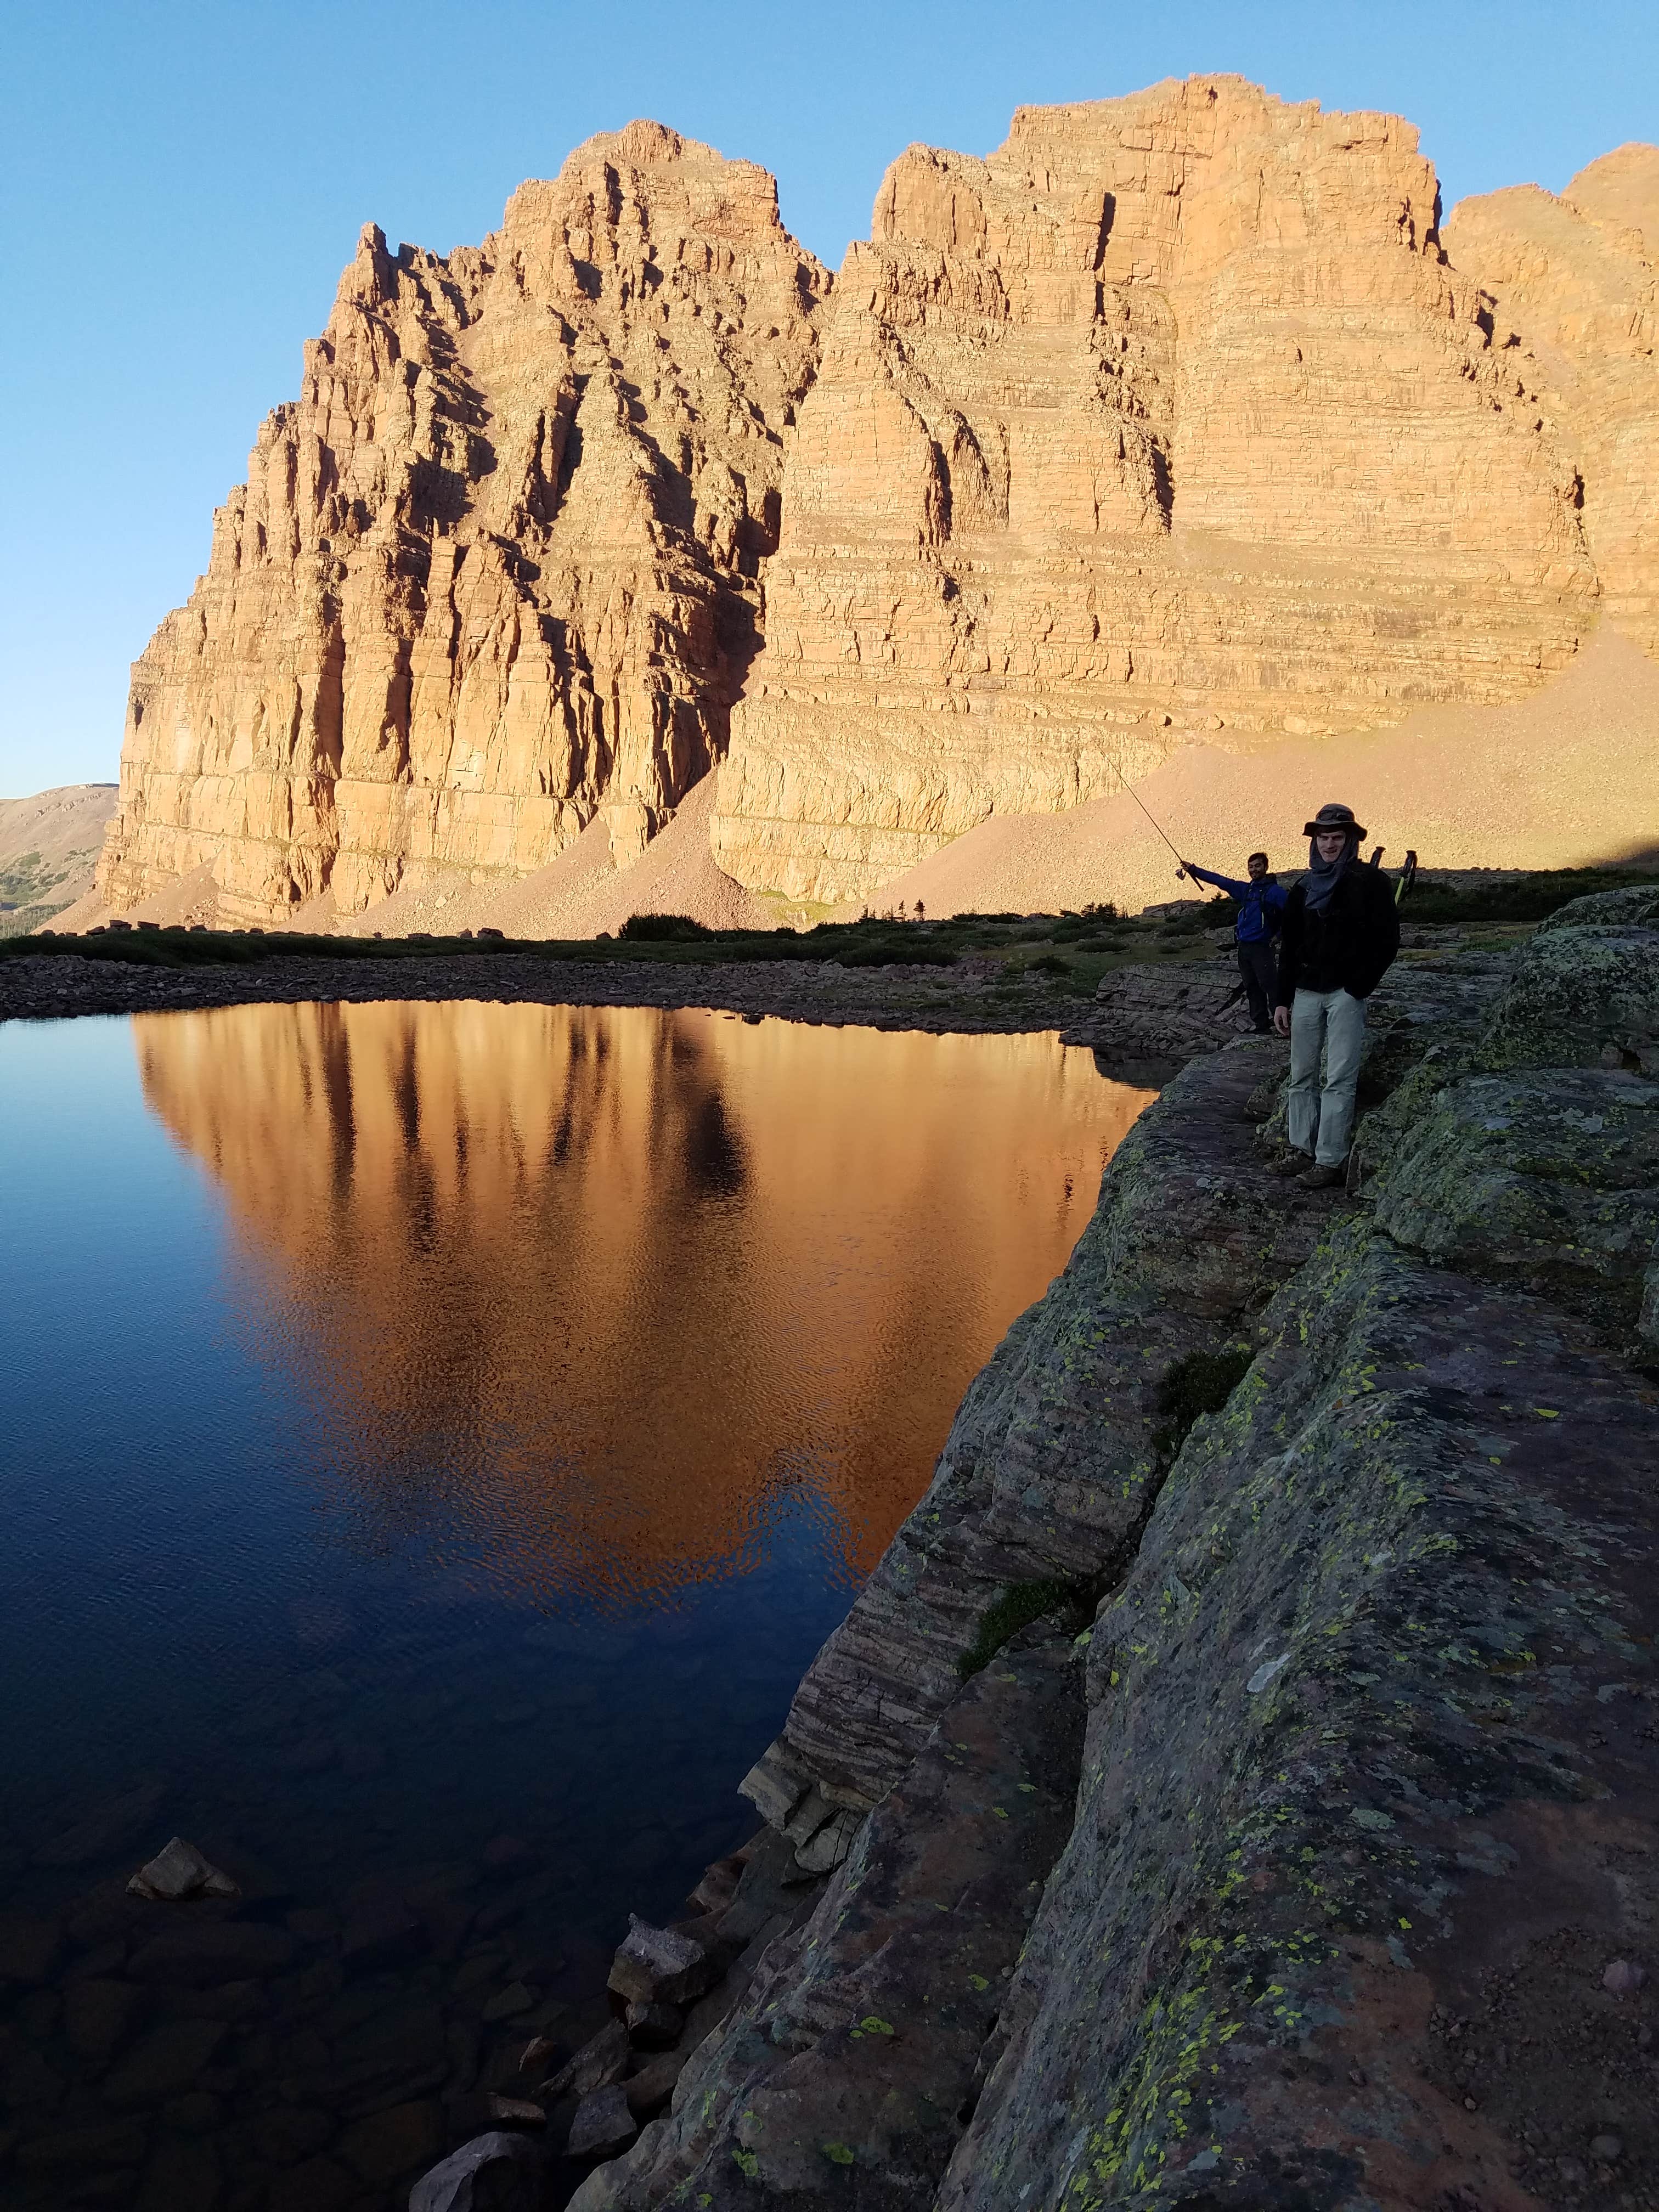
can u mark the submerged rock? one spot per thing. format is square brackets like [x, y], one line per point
[178, 1870]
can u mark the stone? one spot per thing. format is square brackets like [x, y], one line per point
[97, 2015]
[515, 2111]
[184, 2175]
[496, 2173]
[178, 1870]
[120, 2143]
[169, 2060]
[387, 1933]
[650, 2089]
[508, 2003]
[389, 2144]
[600, 2061]
[654, 1966]
[719, 1884]
[603, 2125]
[1624, 1977]
[1578, 991]
[287, 2134]
[320, 2185]
[1607, 2147]
[653, 2026]
[29, 1947]
[203, 1954]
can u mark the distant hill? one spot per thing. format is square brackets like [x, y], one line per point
[49, 846]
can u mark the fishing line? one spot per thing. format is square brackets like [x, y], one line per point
[1146, 810]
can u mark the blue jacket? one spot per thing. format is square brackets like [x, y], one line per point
[1261, 906]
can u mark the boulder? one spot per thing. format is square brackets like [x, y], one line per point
[1581, 996]
[603, 2125]
[494, 2173]
[653, 2026]
[28, 1946]
[601, 2060]
[654, 1966]
[178, 1870]
[208, 1953]
[166, 2061]
[650, 2089]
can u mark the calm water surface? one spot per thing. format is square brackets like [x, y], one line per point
[437, 1437]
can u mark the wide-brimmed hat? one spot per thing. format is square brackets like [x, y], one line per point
[1334, 818]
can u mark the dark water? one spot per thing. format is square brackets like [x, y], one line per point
[436, 1439]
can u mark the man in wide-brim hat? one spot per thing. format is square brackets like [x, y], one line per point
[1340, 935]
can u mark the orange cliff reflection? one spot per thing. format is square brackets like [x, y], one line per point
[589, 1295]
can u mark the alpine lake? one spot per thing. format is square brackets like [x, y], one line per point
[438, 1437]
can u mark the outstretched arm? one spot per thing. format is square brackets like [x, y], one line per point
[1231, 884]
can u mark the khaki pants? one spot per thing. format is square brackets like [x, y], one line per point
[1331, 1024]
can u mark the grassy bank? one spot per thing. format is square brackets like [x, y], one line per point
[1074, 949]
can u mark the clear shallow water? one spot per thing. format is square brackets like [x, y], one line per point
[437, 1439]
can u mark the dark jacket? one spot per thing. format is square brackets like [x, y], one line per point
[1259, 905]
[1349, 947]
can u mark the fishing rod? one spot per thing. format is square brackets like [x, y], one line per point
[1181, 865]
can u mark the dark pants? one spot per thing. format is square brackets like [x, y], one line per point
[1256, 965]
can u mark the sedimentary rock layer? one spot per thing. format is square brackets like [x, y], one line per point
[1170, 417]
[495, 570]
[1172, 426]
[1572, 288]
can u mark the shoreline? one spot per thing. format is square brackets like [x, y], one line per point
[973, 997]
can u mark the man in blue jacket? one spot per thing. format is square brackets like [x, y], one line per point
[1260, 911]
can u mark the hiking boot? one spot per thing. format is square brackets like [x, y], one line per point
[1289, 1163]
[1321, 1178]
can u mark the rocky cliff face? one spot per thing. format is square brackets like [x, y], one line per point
[495, 571]
[1172, 424]
[1168, 418]
[1573, 286]
[1333, 1531]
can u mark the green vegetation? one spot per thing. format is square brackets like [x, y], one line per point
[1528, 897]
[1069, 950]
[1200, 1383]
[1017, 1607]
[1064, 952]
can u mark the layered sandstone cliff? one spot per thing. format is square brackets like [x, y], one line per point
[1573, 285]
[495, 572]
[1169, 417]
[1173, 427]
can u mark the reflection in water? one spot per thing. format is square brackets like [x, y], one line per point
[586, 1296]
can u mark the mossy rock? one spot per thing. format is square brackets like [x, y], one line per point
[1552, 1174]
[1580, 997]
[1636, 906]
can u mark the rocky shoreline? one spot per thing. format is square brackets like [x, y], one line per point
[1237, 1782]
[971, 996]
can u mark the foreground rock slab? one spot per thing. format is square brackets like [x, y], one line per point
[1342, 1515]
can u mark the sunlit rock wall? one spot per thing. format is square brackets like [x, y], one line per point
[495, 570]
[1169, 417]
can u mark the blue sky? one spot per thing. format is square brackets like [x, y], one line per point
[182, 183]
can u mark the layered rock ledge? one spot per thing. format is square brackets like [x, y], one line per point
[1236, 1784]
